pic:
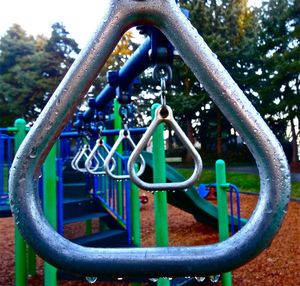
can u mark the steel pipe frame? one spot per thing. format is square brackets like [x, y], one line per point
[254, 237]
[105, 132]
[135, 65]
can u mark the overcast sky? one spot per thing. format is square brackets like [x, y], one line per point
[36, 17]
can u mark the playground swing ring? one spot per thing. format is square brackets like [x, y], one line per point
[221, 257]
[88, 163]
[164, 114]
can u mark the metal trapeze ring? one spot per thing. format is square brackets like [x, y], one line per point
[220, 257]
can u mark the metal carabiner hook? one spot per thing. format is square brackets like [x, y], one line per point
[123, 135]
[164, 115]
[93, 156]
[163, 75]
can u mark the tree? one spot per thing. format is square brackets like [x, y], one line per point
[15, 45]
[230, 29]
[279, 81]
[31, 69]
[119, 56]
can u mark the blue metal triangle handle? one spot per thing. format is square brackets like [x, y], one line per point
[220, 257]
[164, 116]
[123, 135]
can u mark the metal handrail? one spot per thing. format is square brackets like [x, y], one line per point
[233, 188]
[220, 257]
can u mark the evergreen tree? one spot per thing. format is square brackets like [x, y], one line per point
[15, 45]
[117, 59]
[279, 80]
[30, 70]
[230, 29]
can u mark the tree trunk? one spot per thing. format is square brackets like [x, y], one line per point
[189, 130]
[219, 133]
[294, 143]
[170, 139]
[235, 139]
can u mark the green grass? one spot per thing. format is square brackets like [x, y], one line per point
[244, 182]
[296, 190]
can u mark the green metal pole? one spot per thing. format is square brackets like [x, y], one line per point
[135, 218]
[31, 258]
[118, 125]
[103, 187]
[88, 223]
[20, 245]
[31, 261]
[88, 227]
[222, 186]
[50, 207]
[135, 214]
[160, 198]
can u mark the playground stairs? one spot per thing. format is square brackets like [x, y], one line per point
[79, 205]
[5, 211]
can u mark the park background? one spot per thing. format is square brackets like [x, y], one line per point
[259, 46]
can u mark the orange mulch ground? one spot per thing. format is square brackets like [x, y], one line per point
[279, 265]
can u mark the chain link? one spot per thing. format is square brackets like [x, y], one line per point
[162, 73]
[163, 92]
[123, 111]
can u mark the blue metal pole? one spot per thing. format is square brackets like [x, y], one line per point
[134, 66]
[107, 132]
[95, 185]
[60, 197]
[231, 211]
[1, 164]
